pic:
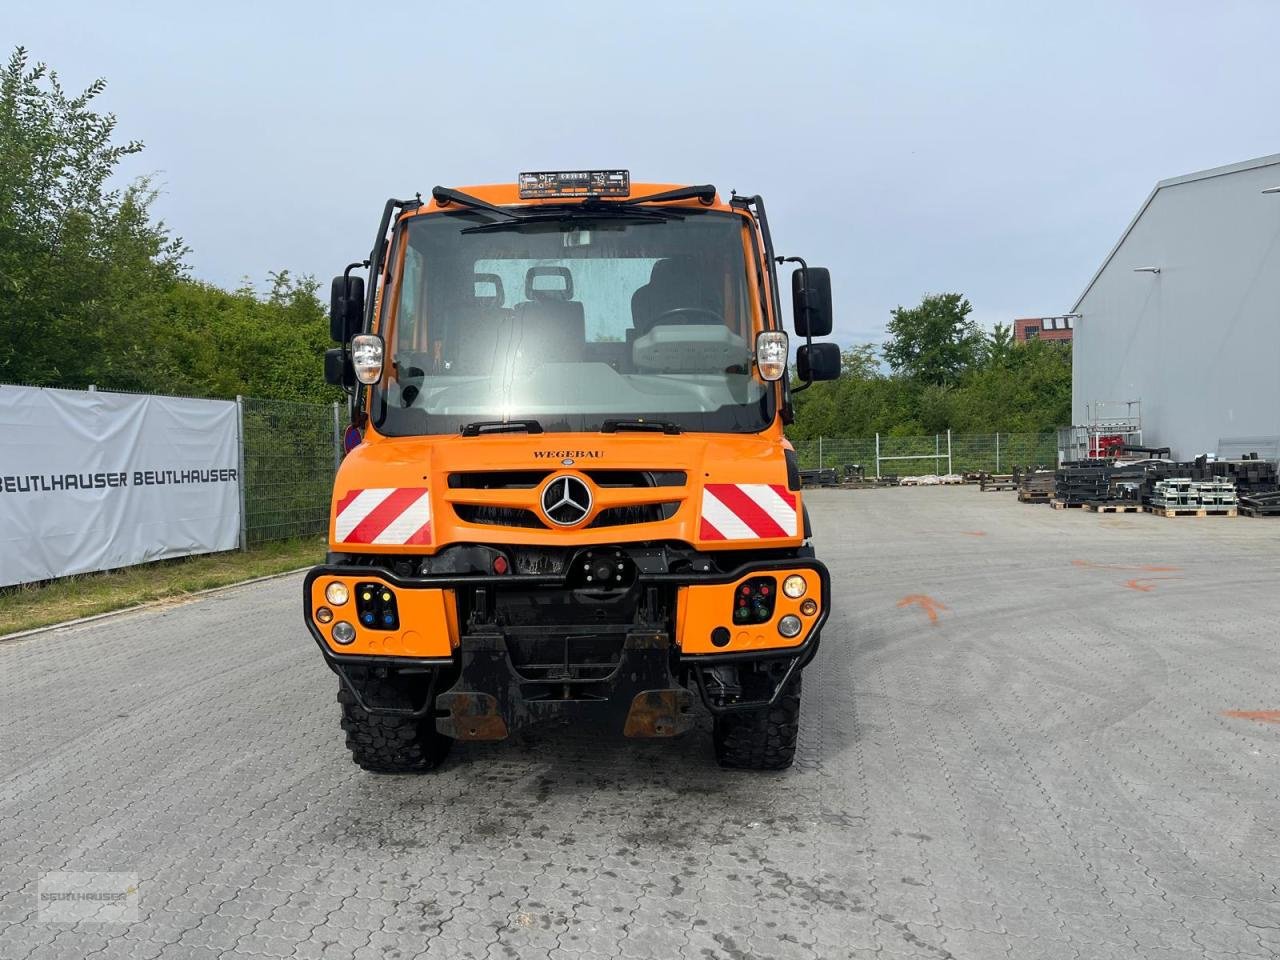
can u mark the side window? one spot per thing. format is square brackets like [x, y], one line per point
[407, 319]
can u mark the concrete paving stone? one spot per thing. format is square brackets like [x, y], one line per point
[1044, 772]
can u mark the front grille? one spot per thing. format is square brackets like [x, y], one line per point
[528, 479]
[497, 479]
[637, 478]
[498, 516]
[640, 513]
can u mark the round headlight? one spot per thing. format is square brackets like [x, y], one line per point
[324, 614]
[344, 632]
[790, 625]
[794, 586]
[809, 607]
[337, 593]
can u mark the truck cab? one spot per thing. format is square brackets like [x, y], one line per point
[567, 494]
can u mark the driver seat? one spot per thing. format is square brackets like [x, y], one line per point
[673, 282]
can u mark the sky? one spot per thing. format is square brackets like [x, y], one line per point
[992, 149]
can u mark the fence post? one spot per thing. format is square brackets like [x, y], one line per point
[337, 438]
[997, 451]
[244, 517]
[819, 453]
[877, 456]
[949, 470]
[937, 453]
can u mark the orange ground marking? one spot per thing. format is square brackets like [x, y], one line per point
[1146, 584]
[1262, 716]
[1139, 567]
[926, 603]
[974, 533]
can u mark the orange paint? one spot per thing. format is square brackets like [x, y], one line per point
[974, 533]
[1139, 567]
[1262, 716]
[1145, 584]
[926, 603]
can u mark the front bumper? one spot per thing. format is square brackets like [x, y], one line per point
[478, 691]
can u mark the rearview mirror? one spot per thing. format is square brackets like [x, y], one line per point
[812, 306]
[818, 361]
[337, 368]
[346, 307]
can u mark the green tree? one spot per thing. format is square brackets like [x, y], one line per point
[934, 342]
[82, 265]
[1000, 344]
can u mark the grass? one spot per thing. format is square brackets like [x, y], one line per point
[41, 604]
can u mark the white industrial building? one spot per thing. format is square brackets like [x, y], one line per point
[1184, 316]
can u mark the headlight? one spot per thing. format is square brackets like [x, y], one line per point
[795, 586]
[790, 625]
[366, 357]
[337, 593]
[324, 614]
[344, 632]
[809, 607]
[771, 354]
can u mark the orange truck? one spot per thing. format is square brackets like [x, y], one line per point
[566, 493]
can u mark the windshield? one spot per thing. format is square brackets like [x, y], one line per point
[572, 323]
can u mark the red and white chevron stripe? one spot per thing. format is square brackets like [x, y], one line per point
[747, 511]
[384, 515]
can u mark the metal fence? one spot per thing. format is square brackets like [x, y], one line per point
[938, 454]
[289, 454]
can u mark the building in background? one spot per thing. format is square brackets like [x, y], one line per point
[1184, 315]
[1042, 328]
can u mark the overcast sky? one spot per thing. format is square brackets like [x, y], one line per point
[995, 149]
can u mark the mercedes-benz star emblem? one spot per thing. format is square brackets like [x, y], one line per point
[566, 500]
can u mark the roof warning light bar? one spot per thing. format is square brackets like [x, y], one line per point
[575, 183]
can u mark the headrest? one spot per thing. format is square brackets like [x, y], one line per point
[495, 299]
[671, 271]
[558, 291]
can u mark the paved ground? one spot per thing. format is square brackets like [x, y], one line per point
[1047, 771]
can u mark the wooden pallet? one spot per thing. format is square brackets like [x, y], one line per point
[1024, 497]
[1191, 511]
[1255, 512]
[1063, 505]
[1112, 507]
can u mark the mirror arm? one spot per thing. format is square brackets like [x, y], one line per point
[808, 338]
[346, 344]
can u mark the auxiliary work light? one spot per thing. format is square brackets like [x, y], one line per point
[771, 354]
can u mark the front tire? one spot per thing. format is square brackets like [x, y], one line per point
[760, 739]
[390, 744]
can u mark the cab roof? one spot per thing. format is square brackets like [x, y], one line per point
[508, 194]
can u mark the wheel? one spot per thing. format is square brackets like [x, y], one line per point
[390, 744]
[760, 739]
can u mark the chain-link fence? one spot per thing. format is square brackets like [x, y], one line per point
[938, 454]
[290, 452]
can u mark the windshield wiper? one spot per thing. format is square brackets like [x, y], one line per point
[704, 193]
[500, 426]
[445, 196]
[653, 426]
[620, 211]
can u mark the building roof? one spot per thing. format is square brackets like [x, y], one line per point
[1272, 160]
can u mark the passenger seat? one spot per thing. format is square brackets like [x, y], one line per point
[480, 331]
[550, 325]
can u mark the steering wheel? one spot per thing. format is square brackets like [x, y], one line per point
[687, 316]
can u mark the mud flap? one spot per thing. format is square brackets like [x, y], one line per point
[490, 699]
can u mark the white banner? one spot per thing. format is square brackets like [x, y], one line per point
[94, 481]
